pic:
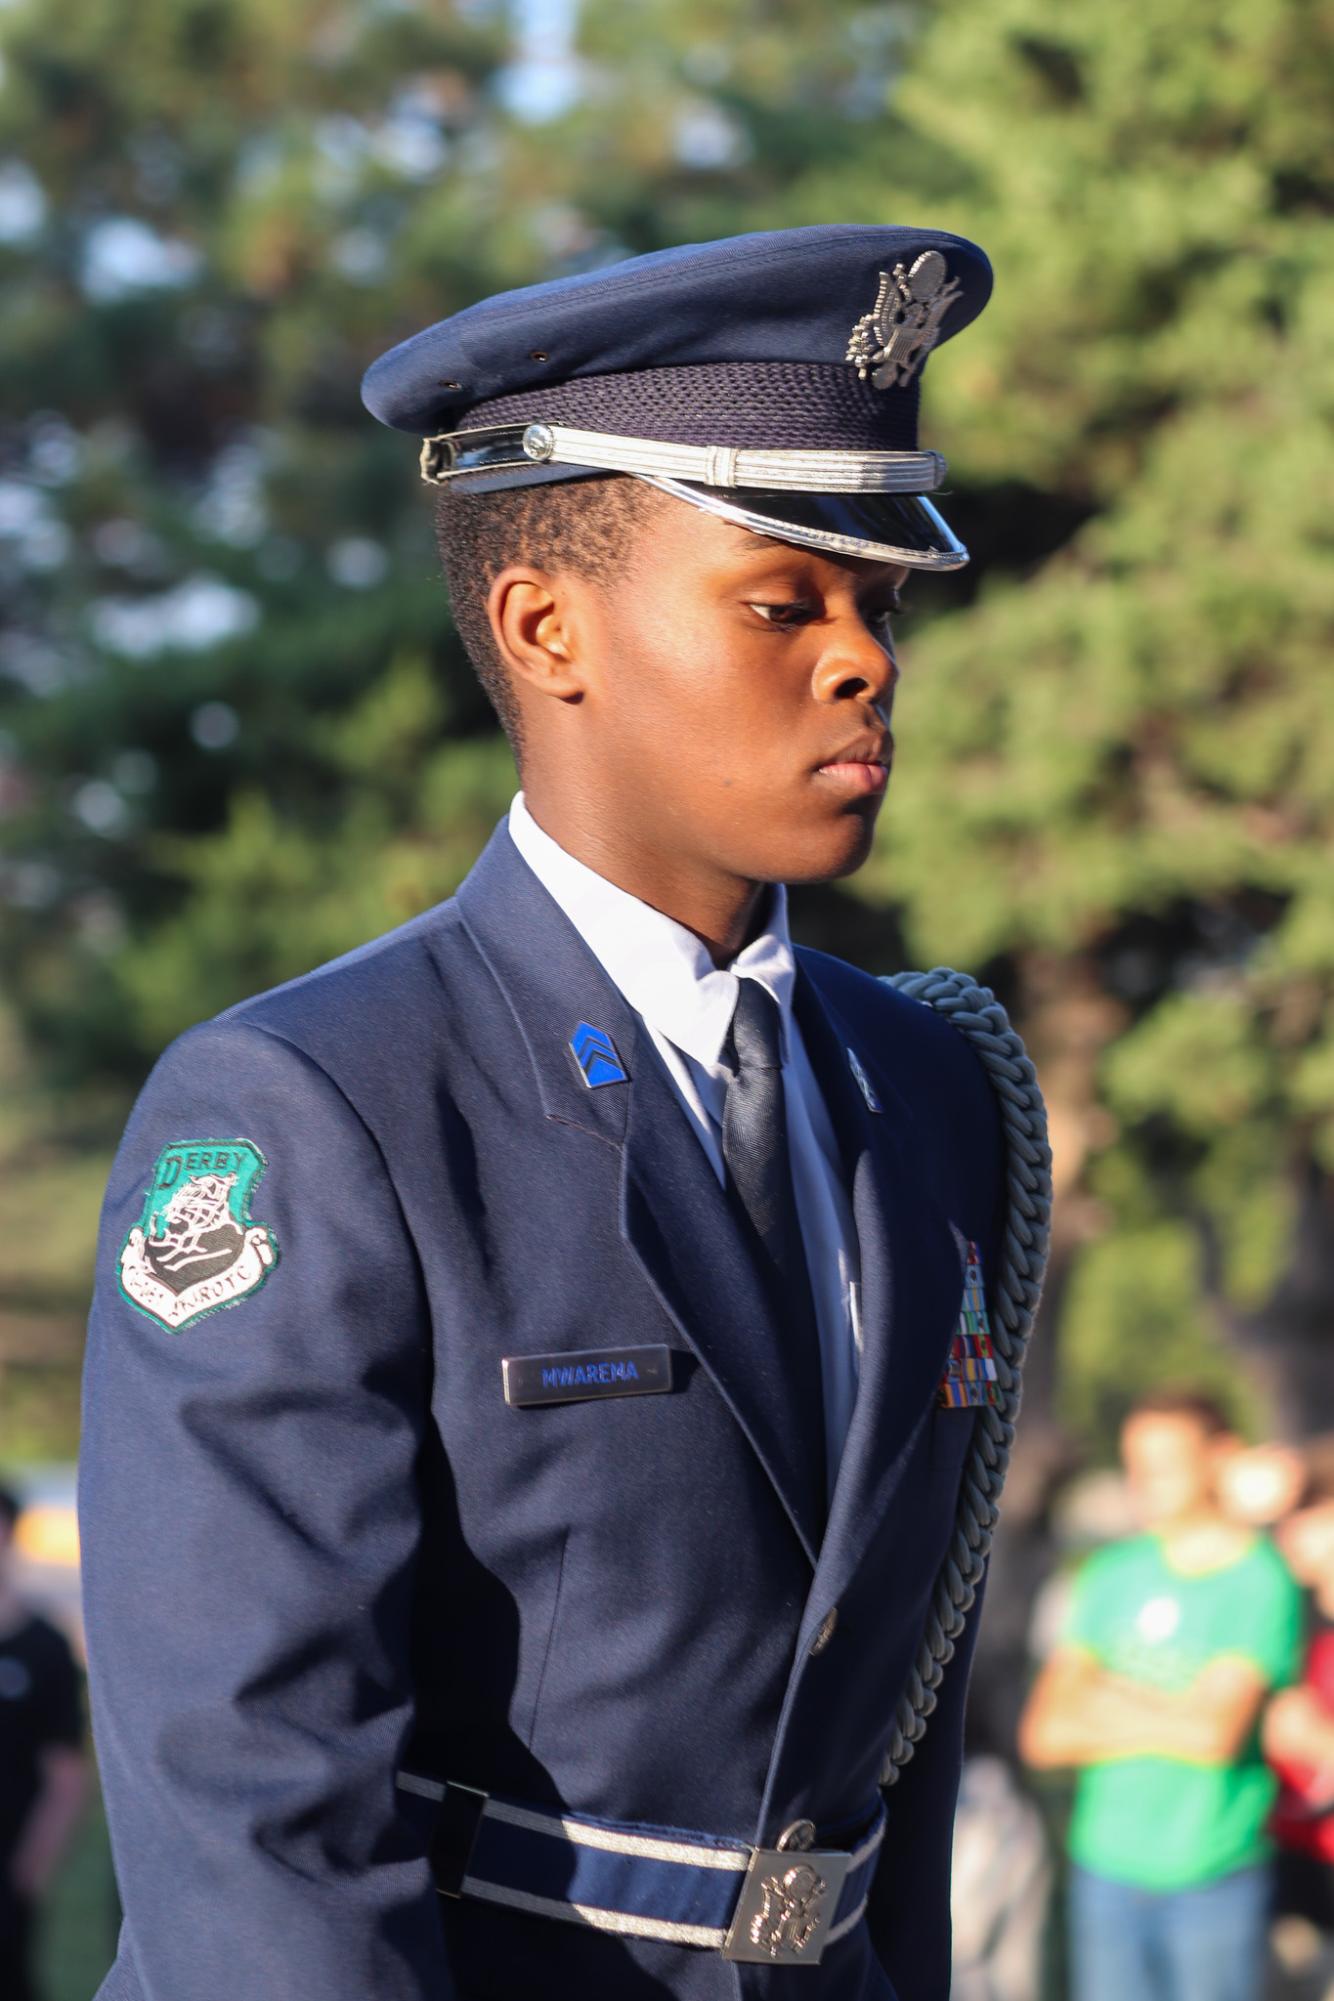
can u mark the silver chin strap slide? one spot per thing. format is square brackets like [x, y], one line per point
[491, 449]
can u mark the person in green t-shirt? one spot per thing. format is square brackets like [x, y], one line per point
[1173, 1641]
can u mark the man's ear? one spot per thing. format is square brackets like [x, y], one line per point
[531, 616]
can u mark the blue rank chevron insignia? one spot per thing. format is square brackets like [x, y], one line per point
[595, 1053]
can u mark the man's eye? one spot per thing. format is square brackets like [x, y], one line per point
[884, 613]
[785, 615]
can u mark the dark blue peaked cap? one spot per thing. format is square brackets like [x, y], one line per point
[770, 378]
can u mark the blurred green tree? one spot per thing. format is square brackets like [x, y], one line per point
[224, 612]
[239, 736]
[1115, 795]
[1124, 752]
[236, 733]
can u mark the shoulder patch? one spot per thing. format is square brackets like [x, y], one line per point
[195, 1248]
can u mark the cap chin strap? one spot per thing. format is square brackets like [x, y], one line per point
[491, 449]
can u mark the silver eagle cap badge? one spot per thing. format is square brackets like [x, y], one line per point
[891, 342]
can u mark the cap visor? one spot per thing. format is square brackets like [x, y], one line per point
[883, 527]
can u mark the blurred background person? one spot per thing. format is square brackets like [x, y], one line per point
[1299, 1741]
[1002, 1881]
[1260, 1485]
[1173, 1639]
[43, 1766]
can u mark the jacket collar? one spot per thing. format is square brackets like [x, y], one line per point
[677, 1223]
[552, 983]
[660, 968]
[680, 1227]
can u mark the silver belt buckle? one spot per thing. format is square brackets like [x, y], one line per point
[787, 1902]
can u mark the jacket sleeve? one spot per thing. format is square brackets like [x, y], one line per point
[909, 1906]
[250, 1518]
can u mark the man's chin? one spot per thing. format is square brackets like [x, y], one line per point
[840, 852]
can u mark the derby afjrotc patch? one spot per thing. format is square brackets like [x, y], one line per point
[970, 1374]
[195, 1248]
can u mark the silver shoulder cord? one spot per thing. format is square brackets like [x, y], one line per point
[977, 1014]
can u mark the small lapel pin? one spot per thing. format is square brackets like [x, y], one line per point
[873, 1103]
[595, 1053]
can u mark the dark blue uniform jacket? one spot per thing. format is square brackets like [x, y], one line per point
[319, 1544]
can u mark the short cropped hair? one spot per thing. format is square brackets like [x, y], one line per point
[1206, 1410]
[580, 525]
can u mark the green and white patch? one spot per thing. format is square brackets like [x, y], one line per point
[195, 1248]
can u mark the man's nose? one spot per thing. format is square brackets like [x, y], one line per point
[856, 663]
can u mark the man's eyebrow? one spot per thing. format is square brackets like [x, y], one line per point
[747, 543]
[767, 548]
[761, 551]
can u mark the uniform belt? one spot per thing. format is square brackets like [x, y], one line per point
[775, 1906]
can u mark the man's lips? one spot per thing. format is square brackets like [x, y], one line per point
[862, 766]
[857, 775]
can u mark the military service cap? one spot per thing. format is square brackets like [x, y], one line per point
[772, 379]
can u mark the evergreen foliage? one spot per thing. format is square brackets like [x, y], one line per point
[239, 736]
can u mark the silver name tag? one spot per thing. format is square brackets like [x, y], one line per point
[588, 1373]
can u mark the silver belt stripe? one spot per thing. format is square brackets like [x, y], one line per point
[652, 1847]
[589, 1914]
[647, 1845]
[630, 1927]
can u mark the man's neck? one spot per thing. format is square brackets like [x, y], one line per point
[722, 910]
[1203, 1542]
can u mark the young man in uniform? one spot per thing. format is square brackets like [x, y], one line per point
[510, 1593]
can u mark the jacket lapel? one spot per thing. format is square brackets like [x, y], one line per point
[681, 1226]
[677, 1222]
[911, 1276]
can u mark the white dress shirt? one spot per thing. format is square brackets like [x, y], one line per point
[687, 1003]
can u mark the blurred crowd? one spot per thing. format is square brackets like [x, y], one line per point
[44, 1770]
[1186, 1681]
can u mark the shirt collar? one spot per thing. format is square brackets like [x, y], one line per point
[660, 967]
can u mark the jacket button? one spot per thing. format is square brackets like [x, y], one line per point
[825, 1630]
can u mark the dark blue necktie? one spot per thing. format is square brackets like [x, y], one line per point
[759, 1164]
